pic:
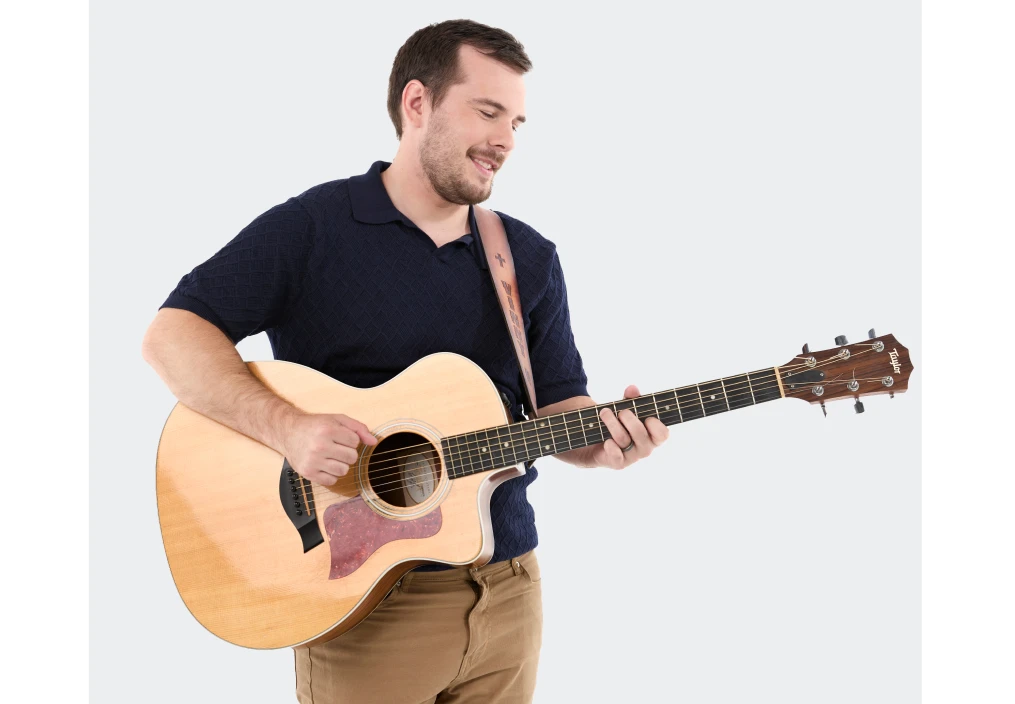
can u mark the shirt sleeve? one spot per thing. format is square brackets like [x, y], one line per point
[557, 369]
[250, 284]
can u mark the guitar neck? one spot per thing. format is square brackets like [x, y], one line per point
[511, 444]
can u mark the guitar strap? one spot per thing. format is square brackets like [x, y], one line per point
[494, 242]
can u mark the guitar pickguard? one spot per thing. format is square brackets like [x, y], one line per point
[355, 532]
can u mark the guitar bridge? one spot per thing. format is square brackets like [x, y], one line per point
[297, 497]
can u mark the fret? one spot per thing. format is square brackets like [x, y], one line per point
[725, 396]
[547, 443]
[449, 459]
[555, 436]
[592, 425]
[626, 404]
[572, 421]
[667, 403]
[497, 448]
[464, 457]
[581, 424]
[493, 448]
[766, 387]
[738, 392]
[655, 405]
[479, 460]
[689, 400]
[636, 408]
[641, 408]
[508, 439]
[712, 397]
[530, 440]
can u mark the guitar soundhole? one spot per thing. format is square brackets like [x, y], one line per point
[404, 469]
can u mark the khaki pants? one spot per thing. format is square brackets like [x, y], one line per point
[462, 636]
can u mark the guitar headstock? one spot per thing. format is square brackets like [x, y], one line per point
[879, 365]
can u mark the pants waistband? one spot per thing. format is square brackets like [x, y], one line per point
[515, 565]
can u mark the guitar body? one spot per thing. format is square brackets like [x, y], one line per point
[258, 571]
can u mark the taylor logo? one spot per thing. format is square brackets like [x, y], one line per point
[894, 354]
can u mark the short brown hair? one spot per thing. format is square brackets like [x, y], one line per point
[430, 56]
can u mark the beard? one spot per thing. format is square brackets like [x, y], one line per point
[442, 163]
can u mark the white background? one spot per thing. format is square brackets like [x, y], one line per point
[724, 183]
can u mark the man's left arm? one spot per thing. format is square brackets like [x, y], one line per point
[558, 373]
[624, 429]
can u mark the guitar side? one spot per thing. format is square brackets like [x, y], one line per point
[236, 558]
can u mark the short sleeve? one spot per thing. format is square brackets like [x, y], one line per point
[250, 284]
[557, 369]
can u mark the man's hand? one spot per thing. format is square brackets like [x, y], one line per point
[322, 446]
[624, 429]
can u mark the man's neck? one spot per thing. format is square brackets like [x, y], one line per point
[413, 196]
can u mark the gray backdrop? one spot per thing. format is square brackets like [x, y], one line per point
[724, 181]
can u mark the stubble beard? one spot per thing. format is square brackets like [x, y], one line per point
[442, 164]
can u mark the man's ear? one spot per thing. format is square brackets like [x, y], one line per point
[414, 95]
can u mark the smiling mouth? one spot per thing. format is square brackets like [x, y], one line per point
[484, 167]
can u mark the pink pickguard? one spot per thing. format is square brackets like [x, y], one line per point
[355, 532]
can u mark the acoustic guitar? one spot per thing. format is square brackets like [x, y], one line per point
[264, 558]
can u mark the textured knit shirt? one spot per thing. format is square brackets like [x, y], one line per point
[344, 283]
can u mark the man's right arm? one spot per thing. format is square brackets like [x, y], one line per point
[203, 369]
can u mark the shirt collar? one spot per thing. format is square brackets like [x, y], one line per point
[370, 200]
[371, 204]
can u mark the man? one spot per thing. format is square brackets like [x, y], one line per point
[359, 278]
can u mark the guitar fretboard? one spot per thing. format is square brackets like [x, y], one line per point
[508, 445]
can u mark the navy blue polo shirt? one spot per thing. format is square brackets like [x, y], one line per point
[344, 283]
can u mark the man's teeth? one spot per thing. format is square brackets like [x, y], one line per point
[486, 165]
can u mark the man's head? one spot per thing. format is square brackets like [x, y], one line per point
[456, 96]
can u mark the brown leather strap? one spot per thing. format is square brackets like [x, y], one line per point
[502, 270]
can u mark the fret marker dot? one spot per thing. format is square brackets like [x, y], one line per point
[546, 447]
[484, 449]
[507, 444]
[666, 408]
[712, 397]
[590, 425]
[541, 425]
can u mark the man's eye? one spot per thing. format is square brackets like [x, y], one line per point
[486, 114]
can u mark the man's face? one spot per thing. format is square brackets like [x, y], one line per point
[474, 123]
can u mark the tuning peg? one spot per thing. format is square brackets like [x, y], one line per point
[841, 340]
[823, 409]
[858, 407]
[807, 349]
[870, 334]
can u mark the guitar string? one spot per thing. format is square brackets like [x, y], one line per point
[321, 492]
[525, 435]
[692, 390]
[597, 435]
[548, 432]
[577, 425]
[645, 399]
[543, 435]
[765, 382]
